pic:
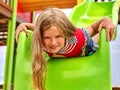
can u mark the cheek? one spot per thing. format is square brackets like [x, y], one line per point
[62, 41]
[46, 42]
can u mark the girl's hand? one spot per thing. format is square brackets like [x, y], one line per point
[20, 28]
[23, 27]
[109, 27]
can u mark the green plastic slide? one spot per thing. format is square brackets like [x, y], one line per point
[9, 62]
[79, 73]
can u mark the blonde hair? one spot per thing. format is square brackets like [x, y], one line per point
[49, 17]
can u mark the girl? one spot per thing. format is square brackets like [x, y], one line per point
[55, 34]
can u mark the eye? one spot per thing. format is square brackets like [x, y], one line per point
[59, 36]
[46, 37]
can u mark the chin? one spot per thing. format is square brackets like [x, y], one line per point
[54, 51]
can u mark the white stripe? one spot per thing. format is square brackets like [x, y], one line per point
[71, 48]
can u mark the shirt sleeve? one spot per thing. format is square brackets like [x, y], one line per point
[87, 36]
[90, 45]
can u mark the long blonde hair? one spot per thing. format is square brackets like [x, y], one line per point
[49, 17]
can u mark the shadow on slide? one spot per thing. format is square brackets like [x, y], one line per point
[80, 73]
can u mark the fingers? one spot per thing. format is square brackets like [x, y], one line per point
[109, 33]
[16, 37]
[20, 28]
[25, 30]
[109, 27]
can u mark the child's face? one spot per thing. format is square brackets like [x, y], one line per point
[53, 39]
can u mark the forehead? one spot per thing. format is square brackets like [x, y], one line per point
[53, 30]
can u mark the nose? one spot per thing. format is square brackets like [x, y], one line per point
[53, 41]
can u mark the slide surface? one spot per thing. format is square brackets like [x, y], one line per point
[80, 73]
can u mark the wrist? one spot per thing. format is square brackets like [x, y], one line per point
[94, 29]
[96, 25]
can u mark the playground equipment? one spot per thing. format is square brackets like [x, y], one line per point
[8, 75]
[80, 73]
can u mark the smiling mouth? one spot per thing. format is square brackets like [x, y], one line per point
[53, 47]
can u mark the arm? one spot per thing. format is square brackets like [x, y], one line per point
[102, 23]
[23, 27]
